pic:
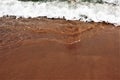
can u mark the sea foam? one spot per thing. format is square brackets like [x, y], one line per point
[108, 11]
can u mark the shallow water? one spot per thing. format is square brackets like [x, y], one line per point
[84, 10]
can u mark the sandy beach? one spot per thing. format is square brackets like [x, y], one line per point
[58, 49]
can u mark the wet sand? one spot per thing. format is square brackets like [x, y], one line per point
[56, 49]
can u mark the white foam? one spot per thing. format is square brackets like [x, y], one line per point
[94, 11]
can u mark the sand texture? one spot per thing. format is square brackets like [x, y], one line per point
[56, 49]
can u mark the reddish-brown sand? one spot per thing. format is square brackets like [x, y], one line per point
[54, 49]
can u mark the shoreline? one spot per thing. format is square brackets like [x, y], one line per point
[45, 17]
[66, 28]
[56, 49]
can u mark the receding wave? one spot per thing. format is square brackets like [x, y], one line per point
[84, 10]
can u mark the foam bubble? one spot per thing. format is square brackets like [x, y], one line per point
[80, 10]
